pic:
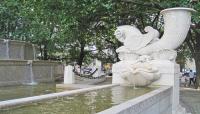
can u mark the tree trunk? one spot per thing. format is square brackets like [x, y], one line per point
[45, 52]
[182, 66]
[82, 55]
[197, 62]
[197, 58]
[116, 54]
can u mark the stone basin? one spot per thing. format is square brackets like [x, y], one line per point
[106, 99]
[88, 102]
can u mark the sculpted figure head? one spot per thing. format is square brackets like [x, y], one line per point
[124, 31]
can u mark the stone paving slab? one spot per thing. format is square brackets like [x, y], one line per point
[190, 99]
[85, 83]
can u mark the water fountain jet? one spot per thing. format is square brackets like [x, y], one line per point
[30, 69]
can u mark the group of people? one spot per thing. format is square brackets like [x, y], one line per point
[188, 77]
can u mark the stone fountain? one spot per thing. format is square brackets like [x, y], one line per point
[18, 64]
[146, 59]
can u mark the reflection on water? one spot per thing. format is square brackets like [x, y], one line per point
[13, 92]
[85, 103]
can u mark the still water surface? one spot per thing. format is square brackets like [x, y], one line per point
[14, 92]
[84, 103]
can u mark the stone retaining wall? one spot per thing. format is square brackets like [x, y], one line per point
[156, 102]
[13, 72]
[19, 50]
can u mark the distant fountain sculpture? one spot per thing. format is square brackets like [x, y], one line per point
[140, 52]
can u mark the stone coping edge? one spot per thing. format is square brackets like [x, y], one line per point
[16, 41]
[27, 100]
[135, 101]
[16, 60]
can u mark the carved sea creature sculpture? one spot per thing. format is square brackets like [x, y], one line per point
[141, 73]
[175, 31]
[128, 34]
[140, 50]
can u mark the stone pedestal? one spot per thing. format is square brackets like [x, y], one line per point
[69, 75]
[170, 73]
[98, 65]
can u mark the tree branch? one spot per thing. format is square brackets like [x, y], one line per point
[154, 5]
[154, 20]
[189, 44]
[191, 38]
[197, 35]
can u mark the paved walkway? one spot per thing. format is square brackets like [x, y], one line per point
[190, 99]
[89, 81]
[84, 83]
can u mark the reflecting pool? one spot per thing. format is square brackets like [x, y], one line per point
[13, 92]
[84, 103]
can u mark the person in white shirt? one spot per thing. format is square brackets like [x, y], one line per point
[191, 75]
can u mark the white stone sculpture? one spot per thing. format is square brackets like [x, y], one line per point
[137, 69]
[175, 30]
[141, 73]
[136, 73]
[141, 53]
[128, 34]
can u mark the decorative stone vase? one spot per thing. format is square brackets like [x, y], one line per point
[177, 22]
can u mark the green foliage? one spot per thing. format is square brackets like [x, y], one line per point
[63, 29]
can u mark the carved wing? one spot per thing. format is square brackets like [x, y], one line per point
[133, 42]
[145, 39]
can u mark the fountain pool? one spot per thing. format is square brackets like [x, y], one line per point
[21, 91]
[84, 103]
